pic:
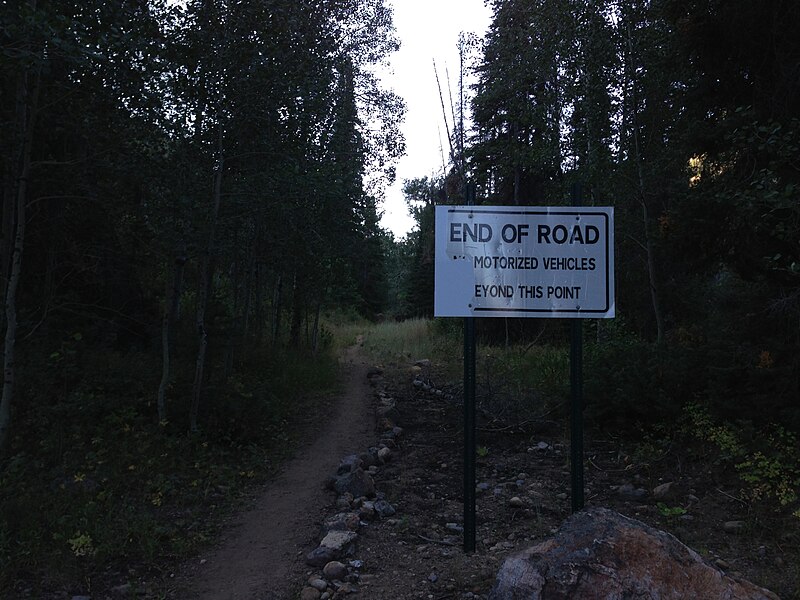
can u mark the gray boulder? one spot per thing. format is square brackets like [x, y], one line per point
[603, 555]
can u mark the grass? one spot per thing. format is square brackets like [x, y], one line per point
[395, 342]
[517, 382]
[409, 340]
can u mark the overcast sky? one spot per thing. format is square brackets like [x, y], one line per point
[428, 30]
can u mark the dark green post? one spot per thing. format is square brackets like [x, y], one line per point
[469, 434]
[576, 396]
[470, 449]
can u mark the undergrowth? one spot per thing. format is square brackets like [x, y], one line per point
[92, 484]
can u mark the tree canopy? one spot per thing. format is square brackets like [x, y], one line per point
[225, 155]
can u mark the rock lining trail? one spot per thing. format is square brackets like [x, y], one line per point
[262, 554]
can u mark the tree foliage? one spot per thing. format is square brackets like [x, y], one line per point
[684, 117]
[202, 163]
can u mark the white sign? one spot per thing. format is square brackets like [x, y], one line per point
[524, 261]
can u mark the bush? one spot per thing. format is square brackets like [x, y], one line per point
[630, 383]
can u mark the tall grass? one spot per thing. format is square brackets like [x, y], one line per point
[520, 383]
[516, 382]
[410, 340]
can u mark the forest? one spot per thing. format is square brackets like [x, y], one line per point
[684, 118]
[191, 190]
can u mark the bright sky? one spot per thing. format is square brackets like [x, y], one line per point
[428, 31]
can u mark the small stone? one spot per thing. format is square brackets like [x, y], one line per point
[692, 498]
[483, 487]
[433, 578]
[454, 527]
[367, 511]
[368, 459]
[384, 509]
[384, 454]
[122, 590]
[335, 570]
[388, 412]
[542, 446]
[347, 521]
[628, 492]
[733, 526]
[516, 502]
[662, 491]
[356, 564]
[357, 482]
[309, 593]
[320, 556]
[348, 464]
[348, 588]
[522, 476]
[562, 496]
[344, 501]
[318, 584]
[423, 362]
[722, 564]
[451, 540]
[338, 541]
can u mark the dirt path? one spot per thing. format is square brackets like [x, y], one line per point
[262, 555]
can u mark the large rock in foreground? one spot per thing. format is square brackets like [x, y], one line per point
[600, 554]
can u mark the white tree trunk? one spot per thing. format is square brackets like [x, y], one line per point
[206, 279]
[27, 99]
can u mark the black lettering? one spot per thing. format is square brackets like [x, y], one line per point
[559, 231]
[470, 232]
[543, 234]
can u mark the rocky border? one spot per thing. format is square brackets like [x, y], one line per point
[358, 503]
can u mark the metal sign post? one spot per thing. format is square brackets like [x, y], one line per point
[470, 449]
[576, 418]
[576, 397]
[523, 261]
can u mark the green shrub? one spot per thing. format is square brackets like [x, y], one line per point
[768, 463]
[630, 383]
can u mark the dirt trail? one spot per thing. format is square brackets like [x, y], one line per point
[263, 553]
